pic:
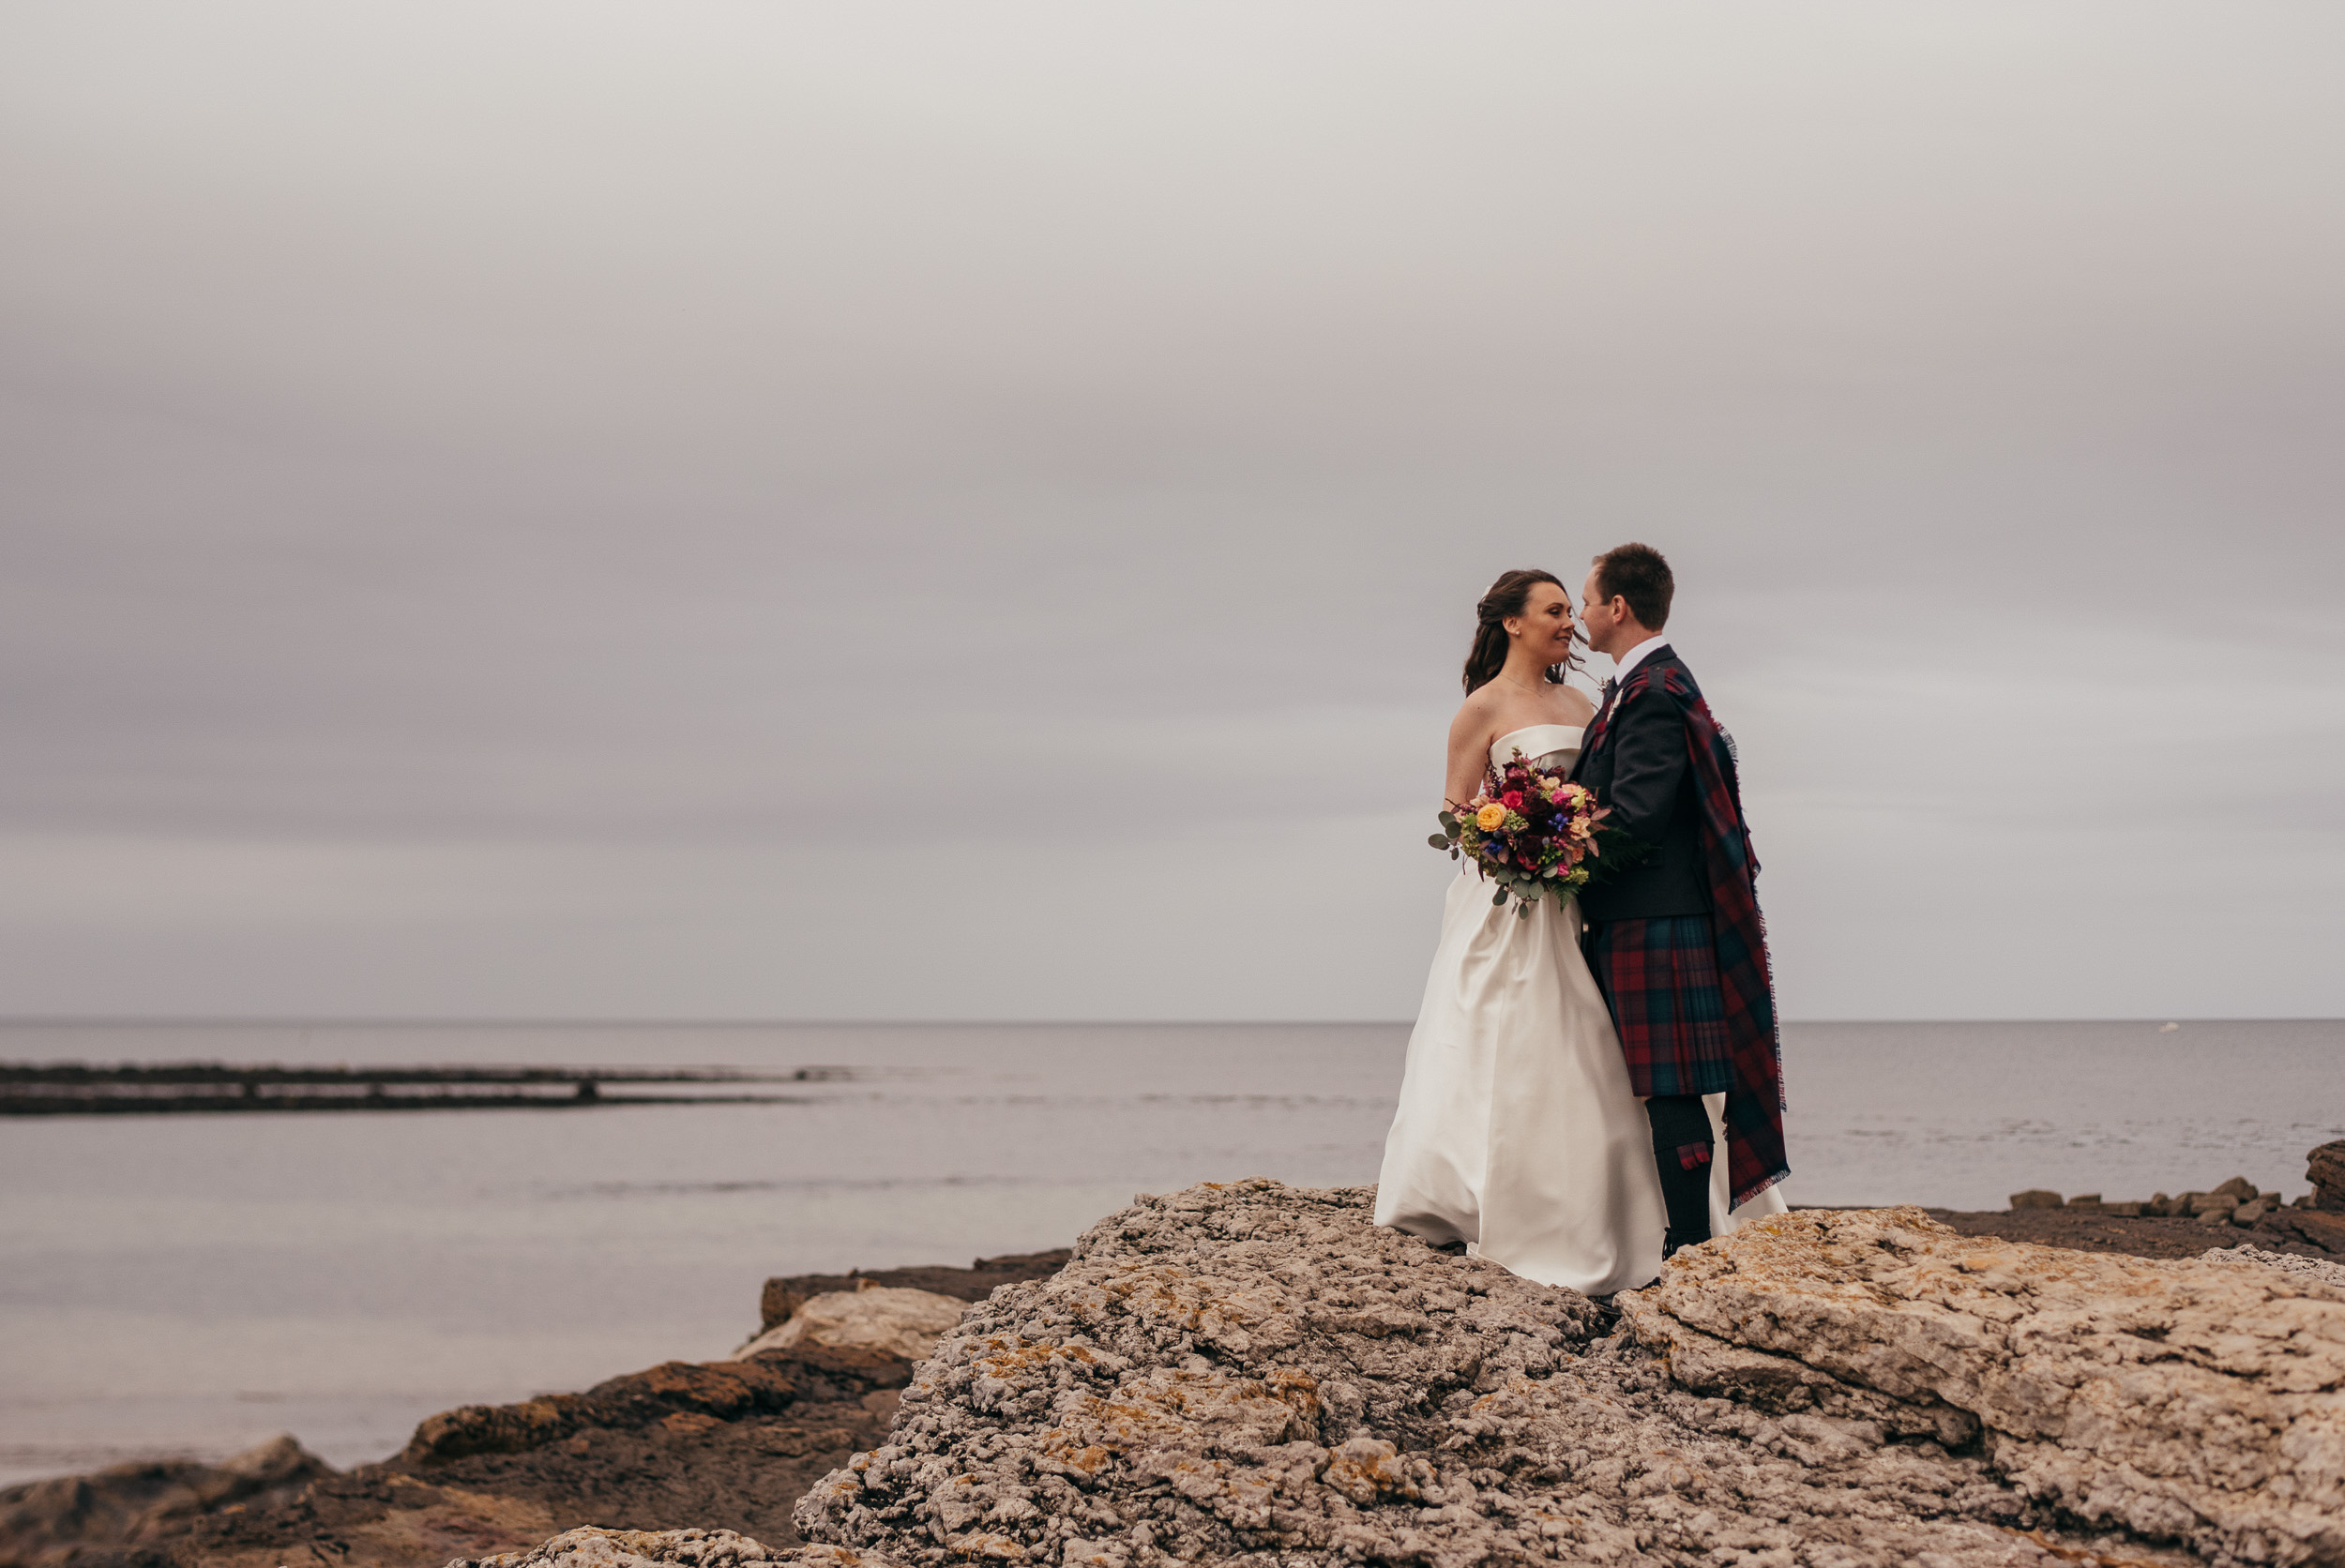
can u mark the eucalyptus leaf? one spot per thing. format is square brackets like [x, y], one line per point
[1522, 912]
[1439, 840]
[1499, 900]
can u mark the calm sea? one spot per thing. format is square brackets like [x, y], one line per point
[194, 1283]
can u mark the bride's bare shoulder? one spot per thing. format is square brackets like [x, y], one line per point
[1579, 704]
[1478, 715]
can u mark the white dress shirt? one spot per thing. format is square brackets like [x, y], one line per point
[1634, 657]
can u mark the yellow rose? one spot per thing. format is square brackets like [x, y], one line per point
[1491, 816]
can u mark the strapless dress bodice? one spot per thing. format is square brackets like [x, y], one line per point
[1546, 745]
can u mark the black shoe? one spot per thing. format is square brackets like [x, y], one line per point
[1672, 1243]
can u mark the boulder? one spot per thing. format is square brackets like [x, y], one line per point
[2325, 1167]
[784, 1295]
[2324, 1230]
[900, 1322]
[2035, 1197]
[2190, 1401]
[1247, 1369]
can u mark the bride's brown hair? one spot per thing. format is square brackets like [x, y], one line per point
[1506, 597]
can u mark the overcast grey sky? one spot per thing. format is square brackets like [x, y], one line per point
[859, 510]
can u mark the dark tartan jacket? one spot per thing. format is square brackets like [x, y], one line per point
[1658, 730]
[1635, 758]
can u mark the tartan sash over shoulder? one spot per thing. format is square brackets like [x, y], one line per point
[1754, 1101]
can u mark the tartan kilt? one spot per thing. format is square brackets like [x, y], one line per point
[1660, 978]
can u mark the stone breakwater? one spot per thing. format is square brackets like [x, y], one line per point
[1251, 1372]
[2317, 1219]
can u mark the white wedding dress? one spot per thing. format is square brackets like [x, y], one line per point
[1517, 1132]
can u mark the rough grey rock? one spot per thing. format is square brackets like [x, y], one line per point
[2312, 1268]
[2181, 1400]
[591, 1548]
[1257, 1373]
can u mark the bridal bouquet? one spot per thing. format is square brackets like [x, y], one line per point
[1529, 832]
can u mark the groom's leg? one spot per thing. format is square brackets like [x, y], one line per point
[1651, 973]
[1682, 1154]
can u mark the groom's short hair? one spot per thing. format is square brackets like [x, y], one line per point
[1638, 574]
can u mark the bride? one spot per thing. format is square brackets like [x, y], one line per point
[1517, 1132]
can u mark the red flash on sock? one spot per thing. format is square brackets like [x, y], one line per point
[1693, 1155]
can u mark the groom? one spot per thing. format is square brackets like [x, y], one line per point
[1675, 936]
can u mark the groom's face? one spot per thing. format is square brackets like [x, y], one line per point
[1596, 616]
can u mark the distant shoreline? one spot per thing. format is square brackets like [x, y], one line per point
[212, 1088]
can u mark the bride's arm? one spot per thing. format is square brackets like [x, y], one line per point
[1469, 754]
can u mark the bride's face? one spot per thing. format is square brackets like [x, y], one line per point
[1544, 627]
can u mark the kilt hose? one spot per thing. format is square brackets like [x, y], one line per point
[1660, 978]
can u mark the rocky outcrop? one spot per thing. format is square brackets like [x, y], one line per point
[732, 1444]
[2313, 1226]
[129, 1504]
[2194, 1401]
[726, 1446]
[893, 1320]
[677, 1395]
[1250, 1371]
